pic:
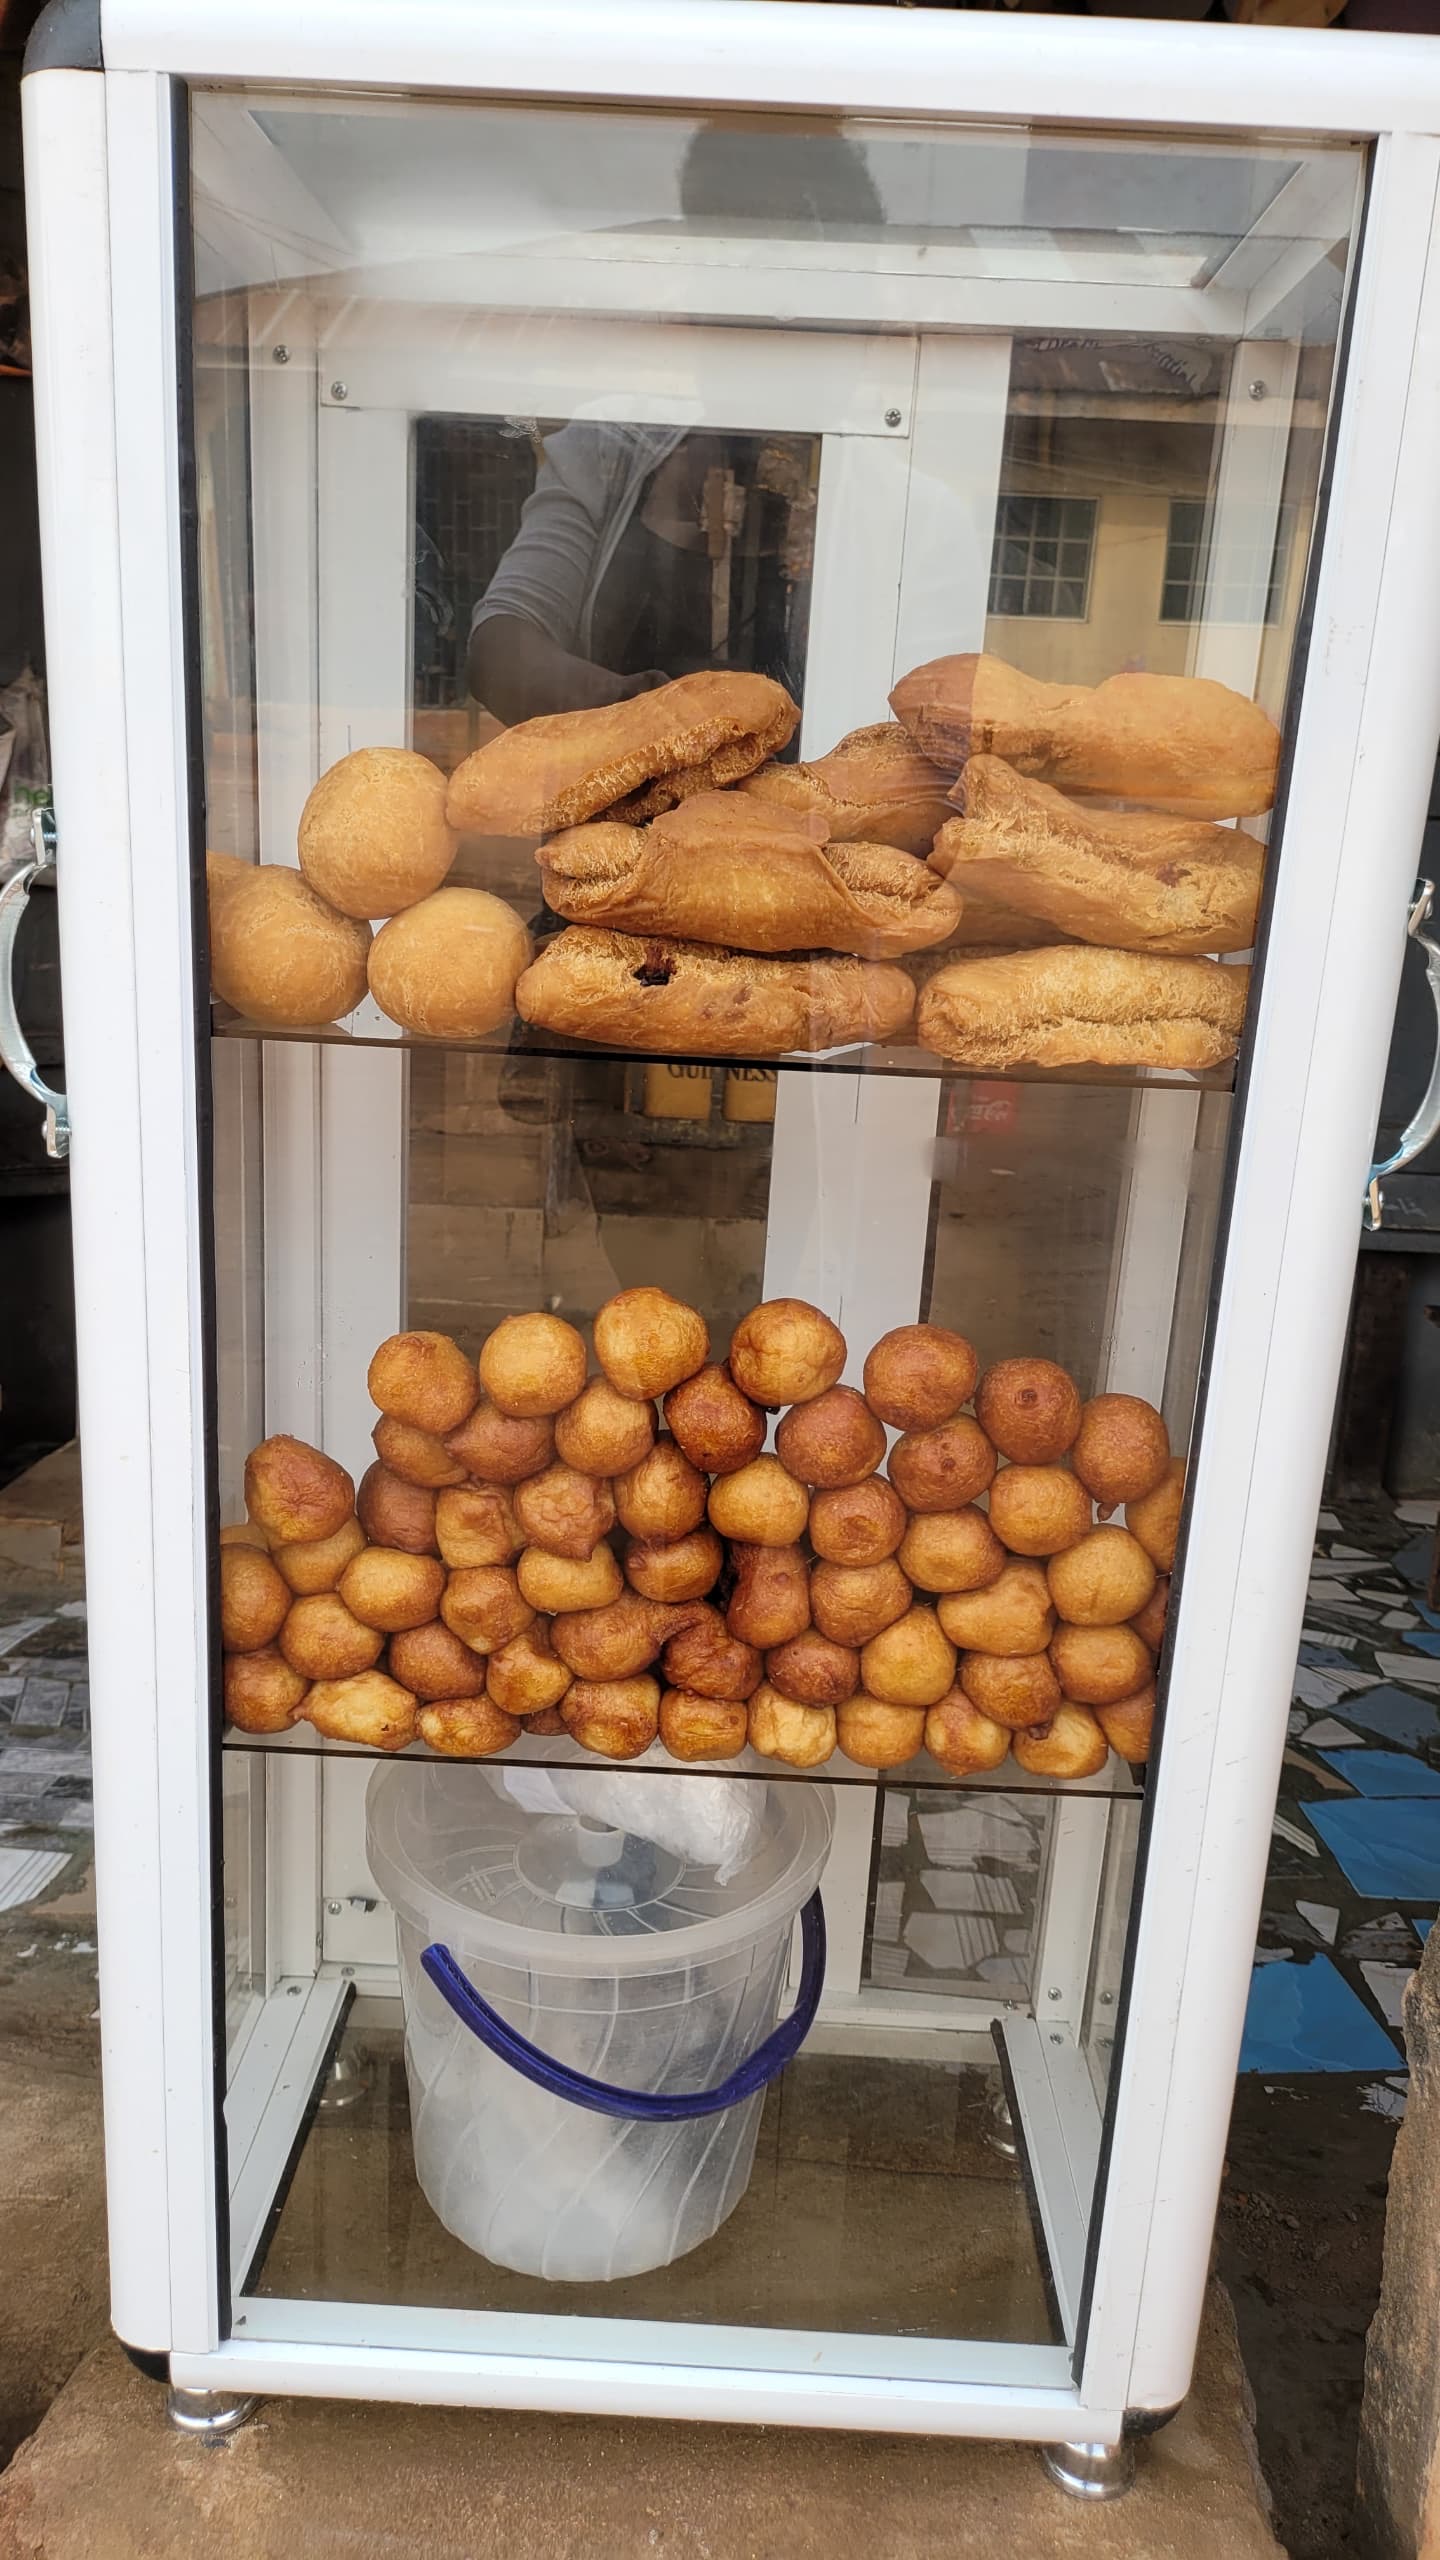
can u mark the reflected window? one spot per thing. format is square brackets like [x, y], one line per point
[1041, 563]
[1240, 578]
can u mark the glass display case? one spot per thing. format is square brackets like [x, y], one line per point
[742, 707]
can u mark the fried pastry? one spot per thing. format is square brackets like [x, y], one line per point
[1129, 878]
[697, 734]
[875, 788]
[724, 869]
[697, 1728]
[1073, 1006]
[686, 999]
[1180, 743]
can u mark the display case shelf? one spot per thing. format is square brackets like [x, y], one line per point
[520, 1040]
[557, 1750]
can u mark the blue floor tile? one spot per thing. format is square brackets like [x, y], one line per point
[1422, 1929]
[1385, 1773]
[1389, 1850]
[1413, 1562]
[1305, 2017]
[1420, 1640]
[1397, 1713]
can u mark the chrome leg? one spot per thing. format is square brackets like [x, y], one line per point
[1000, 2131]
[1096, 2472]
[347, 2083]
[207, 2413]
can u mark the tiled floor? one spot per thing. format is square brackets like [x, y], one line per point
[1355, 1858]
[45, 1799]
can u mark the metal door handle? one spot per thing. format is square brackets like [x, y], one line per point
[1424, 1123]
[15, 1049]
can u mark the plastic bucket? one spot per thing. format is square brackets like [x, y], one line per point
[589, 2019]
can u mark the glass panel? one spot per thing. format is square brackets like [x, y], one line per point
[834, 940]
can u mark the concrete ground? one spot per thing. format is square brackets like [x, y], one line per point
[105, 2478]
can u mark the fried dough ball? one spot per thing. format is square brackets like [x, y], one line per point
[386, 1588]
[664, 1496]
[254, 1600]
[425, 1379]
[262, 1693]
[1105, 1577]
[418, 1457]
[396, 1514]
[875, 1734]
[484, 1606]
[549, 1720]
[501, 1448]
[833, 1440]
[1155, 1518]
[646, 1341]
[476, 1524]
[602, 1432]
[553, 1583]
[615, 1642]
[446, 968]
[532, 1366]
[718, 1428]
[850, 1603]
[244, 1533]
[771, 1599]
[784, 1352]
[696, 1728]
[1030, 1409]
[618, 1718]
[566, 1512]
[675, 1568]
[370, 1708]
[435, 1664]
[279, 954]
[858, 1524]
[373, 836]
[527, 1677]
[295, 1492]
[1128, 1724]
[919, 1374]
[467, 1728]
[705, 1660]
[1015, 1689]
[909, 1664]
[1096, 1666]
[951, 1551]
[813, 1670]
[781, 1728]
[1122, 1449]
[1013, 1614]
[761, 1505]
[1071, 1745]
[961, 1739]
[1035, 1511]
[1149, 1622]
[323, 1640]
[316, 1564]
[942, 1469]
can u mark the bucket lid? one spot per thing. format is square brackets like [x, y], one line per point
[458, 1858]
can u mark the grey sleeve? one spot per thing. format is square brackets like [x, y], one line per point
[546, 575]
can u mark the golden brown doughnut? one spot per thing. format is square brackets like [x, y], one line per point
[1155, 1518]
[833, 1440]
[262, 1693]
[1012, 1614]
[1129, 1723]
[387, 1588]
[784, 1352]
[316, 1564]
[1014, 1689]
[919, 1374]
[254, 1600]
[1071, 1745]
[418, 1457]
[1035, 1511]
[435, 1664]
[554, 1583]
[618, 1718]
[717, 1427]
[1097, 1666]
[858, 1524]
[761, 1505]
[526, 1677]
[705, 1660]
[851, 1603]
[448, 968]
[373, 836]
[697, 1728]
[467, 1728]
[961, 1739]
[294, 1492]
[603, 1433]
[532, 1366]
[781, 1728]
[323, 1640]
[910, 1663]
[876, 1735]
[369, 1708]
[278, 954]
[499, 1448]
[943, 1468]
[647, 1342]
[664, 1496]
[484, 1606]
[675, 1568]
[1105, 1577]
[951, 1551]
[1122, 1450]
[423, 1378]
[771, 1599]
[566, 1512]
[1030, 1409]
[476, 1524]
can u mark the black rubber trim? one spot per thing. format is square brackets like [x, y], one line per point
[248, 2276]
[1027, 2181]
[1138, 2423]
[65, 37]
[1304, 638]
[184, 269]
[153, 2362]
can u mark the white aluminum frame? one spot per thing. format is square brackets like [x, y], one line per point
[101, 208]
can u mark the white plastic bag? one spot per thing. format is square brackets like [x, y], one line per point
[709, 1822]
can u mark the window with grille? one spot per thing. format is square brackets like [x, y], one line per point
[1238, 579]
[1042, 557]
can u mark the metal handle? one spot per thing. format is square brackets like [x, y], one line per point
[641, 2106]
[15, 1050]
[1424, 1124]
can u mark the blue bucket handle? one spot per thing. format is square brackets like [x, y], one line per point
[643, 2106]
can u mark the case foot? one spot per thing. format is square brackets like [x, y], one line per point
[346, 2084]
[208, 2413]
[1000, 2135]
[1096, 2472]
